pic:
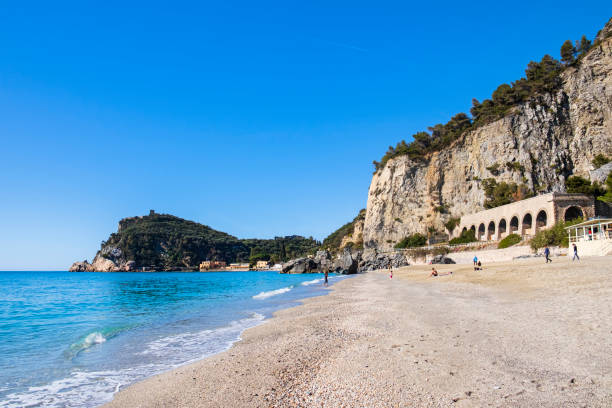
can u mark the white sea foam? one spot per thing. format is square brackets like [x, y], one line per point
[312, 282]
[94, 388]
[265, 295]
[93, 338]
[204, 342]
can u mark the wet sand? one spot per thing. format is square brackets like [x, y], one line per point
[517, 333]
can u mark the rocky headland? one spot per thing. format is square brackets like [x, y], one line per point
[539, 143]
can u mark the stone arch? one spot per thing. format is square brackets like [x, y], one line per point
[491, 230]
[514, 224]
[473, 228]
[527, 223]
[481, 231]
[501, 228]
[541, 220]
[573, 212]
[464, 230]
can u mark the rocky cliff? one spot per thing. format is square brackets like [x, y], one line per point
[545, 141]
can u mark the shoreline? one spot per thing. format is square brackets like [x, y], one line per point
[516, 334]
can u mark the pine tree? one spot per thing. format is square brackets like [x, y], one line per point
[567, 53]
[584, 45]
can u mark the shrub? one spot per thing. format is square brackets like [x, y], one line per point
[607, 197]
[557, 235]
[466, 237]
[510, 240]
[577, 184]
[599, 160]
[515, 166]
[452, 223]
[441, 250]
[411, 241]
[498, 194]
[494, 169]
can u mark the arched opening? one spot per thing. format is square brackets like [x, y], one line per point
[527, 219]
[514, 224]
[572, 213]
[464, 230]
[490, 230]
[481, 231]
[501, 228]
[541, 220]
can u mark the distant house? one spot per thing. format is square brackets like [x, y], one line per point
[208, 265]
[262, 265]
[239, 266]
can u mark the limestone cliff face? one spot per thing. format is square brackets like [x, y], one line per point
[551, 138]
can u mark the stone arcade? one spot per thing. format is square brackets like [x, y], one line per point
[526, 217]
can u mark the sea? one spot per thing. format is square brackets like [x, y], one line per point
[74, 339]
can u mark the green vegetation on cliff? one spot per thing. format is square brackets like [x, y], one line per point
[412, 241]
[577, 184]
[166, 242]
[334, 240]
[280, 249]
[466, 237]
[540, 78]
[497, 194]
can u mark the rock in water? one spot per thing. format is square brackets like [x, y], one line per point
[80, 267]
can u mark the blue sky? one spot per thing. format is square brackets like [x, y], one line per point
[259, 119]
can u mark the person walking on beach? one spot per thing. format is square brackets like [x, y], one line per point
[325, 283]
[475, 260]
[547, 255]
[575, 253]
[390, 270]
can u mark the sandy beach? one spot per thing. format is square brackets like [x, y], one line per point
[517, 334]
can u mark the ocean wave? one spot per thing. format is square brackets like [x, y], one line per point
[265, 295]
[92, 339]
[312, 282]
[94, 388]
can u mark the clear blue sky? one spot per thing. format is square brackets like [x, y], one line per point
[259, 119]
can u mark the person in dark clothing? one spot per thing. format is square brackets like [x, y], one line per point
[575, 253]
[547, 255]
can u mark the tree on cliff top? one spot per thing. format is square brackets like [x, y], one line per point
[540, 78]
[568, 52]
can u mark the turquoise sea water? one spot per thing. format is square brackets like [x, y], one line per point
[74, 339]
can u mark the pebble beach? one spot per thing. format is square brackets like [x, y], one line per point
[518, 333]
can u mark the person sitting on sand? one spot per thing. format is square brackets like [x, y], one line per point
[434, 272]
[478, 266]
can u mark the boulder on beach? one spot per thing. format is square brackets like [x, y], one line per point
[442, 259]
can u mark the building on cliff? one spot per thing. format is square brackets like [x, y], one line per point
[527, 217]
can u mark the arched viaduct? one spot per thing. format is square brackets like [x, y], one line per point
[526, 217]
